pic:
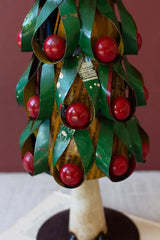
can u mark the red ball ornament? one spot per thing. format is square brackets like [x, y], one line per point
[106, 49]
[119, 166]
[33, 106]
[70, 174]
[28, 161]
[139, 41]
[145, 150]
[121, 108]
[54, 47]
[77, 116]
[146, 94]
[19, 38]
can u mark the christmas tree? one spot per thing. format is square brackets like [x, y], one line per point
[80, 92]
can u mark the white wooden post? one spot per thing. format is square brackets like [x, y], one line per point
[87, 218]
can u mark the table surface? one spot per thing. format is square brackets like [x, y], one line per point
[138, 195]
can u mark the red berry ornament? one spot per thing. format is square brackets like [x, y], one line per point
[77, 116]
[139, 41]
[70, 174]
[33, 106]
[146, 94]
[28, 161]
[121, 108]
[119, 166]
[19, 38]
[106, 49]
[145, 150]
[54, 47]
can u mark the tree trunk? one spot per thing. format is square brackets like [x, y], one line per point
[87, 218]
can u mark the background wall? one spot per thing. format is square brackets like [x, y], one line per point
[13, 63]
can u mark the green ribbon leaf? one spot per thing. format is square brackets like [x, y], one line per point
[87, 14]
[31, 127]
[129, 32]
[21, 85]
[105, 8]
[135, 138]
[130, 137]
[104, 146]
[46, 10]
[90, 81]
[29, 27]
[103, 73]
[135, 83]
[70, 19]
[47, 92]
[69, 16]
[66, 78]
[85, 148]
[41, 150]
[64, 137]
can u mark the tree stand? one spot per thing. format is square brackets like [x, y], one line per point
[87, 220]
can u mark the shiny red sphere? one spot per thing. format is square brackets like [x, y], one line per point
[146, 94]
[33, 106]
[145, 150]
[119, 166]
[28, 162]
[139, 41]
[77, 116]
[106, 49]
[19, 38]
[70, 174]
[54, 47]
[121, 108]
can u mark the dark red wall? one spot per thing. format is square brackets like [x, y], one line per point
[12, 64]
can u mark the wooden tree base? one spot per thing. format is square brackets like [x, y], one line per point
[120, 227]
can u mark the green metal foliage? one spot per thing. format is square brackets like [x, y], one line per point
[27, 84]
[78, 62]
[47, 92]
[128, 133]
[41, 149]
[66, 78]
[21, 85]
[88, 19]
[129, 30]
[68, 73]
[38, 16]
[28, 27]
[83, 142]
[69, 16]
[131, 79]
[31, 127]
[41, 145]
[105, 146]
